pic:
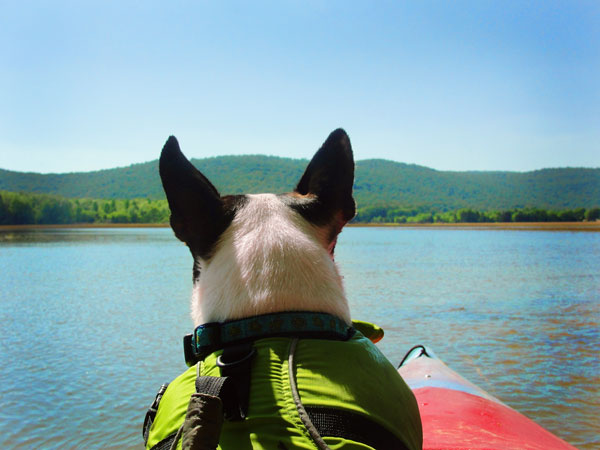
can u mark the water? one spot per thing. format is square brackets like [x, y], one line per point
[92, 321]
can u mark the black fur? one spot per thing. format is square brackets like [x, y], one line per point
[198, 213]
[328, 182]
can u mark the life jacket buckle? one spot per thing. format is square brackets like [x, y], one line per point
[235, 364]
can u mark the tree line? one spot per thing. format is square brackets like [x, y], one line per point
[26, 208]
[387, 214]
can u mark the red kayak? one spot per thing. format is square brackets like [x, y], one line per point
[457, 415]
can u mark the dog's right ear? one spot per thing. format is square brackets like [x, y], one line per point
[328, 179]
[197, 214]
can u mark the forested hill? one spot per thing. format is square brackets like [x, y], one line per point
[378, 182]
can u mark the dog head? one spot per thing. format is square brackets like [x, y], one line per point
[263, 253]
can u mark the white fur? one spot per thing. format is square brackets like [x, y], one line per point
[270, 259]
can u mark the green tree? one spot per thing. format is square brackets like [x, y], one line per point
[592, 214]
[119, 217]
[55, 211]
[21, 210]
[84, 216]
[572, 215]
[4, 215]
[133, 216]
[421, 218]
[579, 214]
[445, 217]
[467, 216]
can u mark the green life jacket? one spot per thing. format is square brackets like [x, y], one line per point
[352, 378]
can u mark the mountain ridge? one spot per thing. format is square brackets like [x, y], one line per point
[378, 182]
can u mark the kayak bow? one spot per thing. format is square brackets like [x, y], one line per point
[458, 415]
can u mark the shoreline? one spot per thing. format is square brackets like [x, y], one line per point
[517, 226]
[82, 225]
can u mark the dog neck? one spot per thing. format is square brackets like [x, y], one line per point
[270, 259]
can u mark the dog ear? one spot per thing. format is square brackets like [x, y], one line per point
[329, 178]
[197, 214]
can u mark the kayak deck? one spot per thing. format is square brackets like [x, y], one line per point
[458, 415]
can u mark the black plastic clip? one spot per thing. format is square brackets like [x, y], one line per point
[189, 351]
[151, 413]
[235, 363]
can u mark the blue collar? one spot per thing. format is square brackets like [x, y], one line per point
[214, 336]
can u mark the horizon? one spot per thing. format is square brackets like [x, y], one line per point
[466, 86]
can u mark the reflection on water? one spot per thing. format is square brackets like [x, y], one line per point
[93, 319]
[62, 236]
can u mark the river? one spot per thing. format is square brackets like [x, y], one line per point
[92, 321]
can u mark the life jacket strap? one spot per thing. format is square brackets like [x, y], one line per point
[166, 443]
[235, 363]
[334, 422]
[151, 413]
[216, 399]
[233, 386]
[201, 429]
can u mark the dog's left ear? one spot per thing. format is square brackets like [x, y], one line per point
[197, 212]
[329, 178]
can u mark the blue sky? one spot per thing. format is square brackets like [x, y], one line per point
[480, 85]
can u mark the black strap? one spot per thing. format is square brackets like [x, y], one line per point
[151, 413]
[346, 424]
[222, 387]
[233, 386]
[166, 443]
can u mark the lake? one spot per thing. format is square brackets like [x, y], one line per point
[92, 321]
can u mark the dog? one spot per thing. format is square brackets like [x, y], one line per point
[264, 264]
